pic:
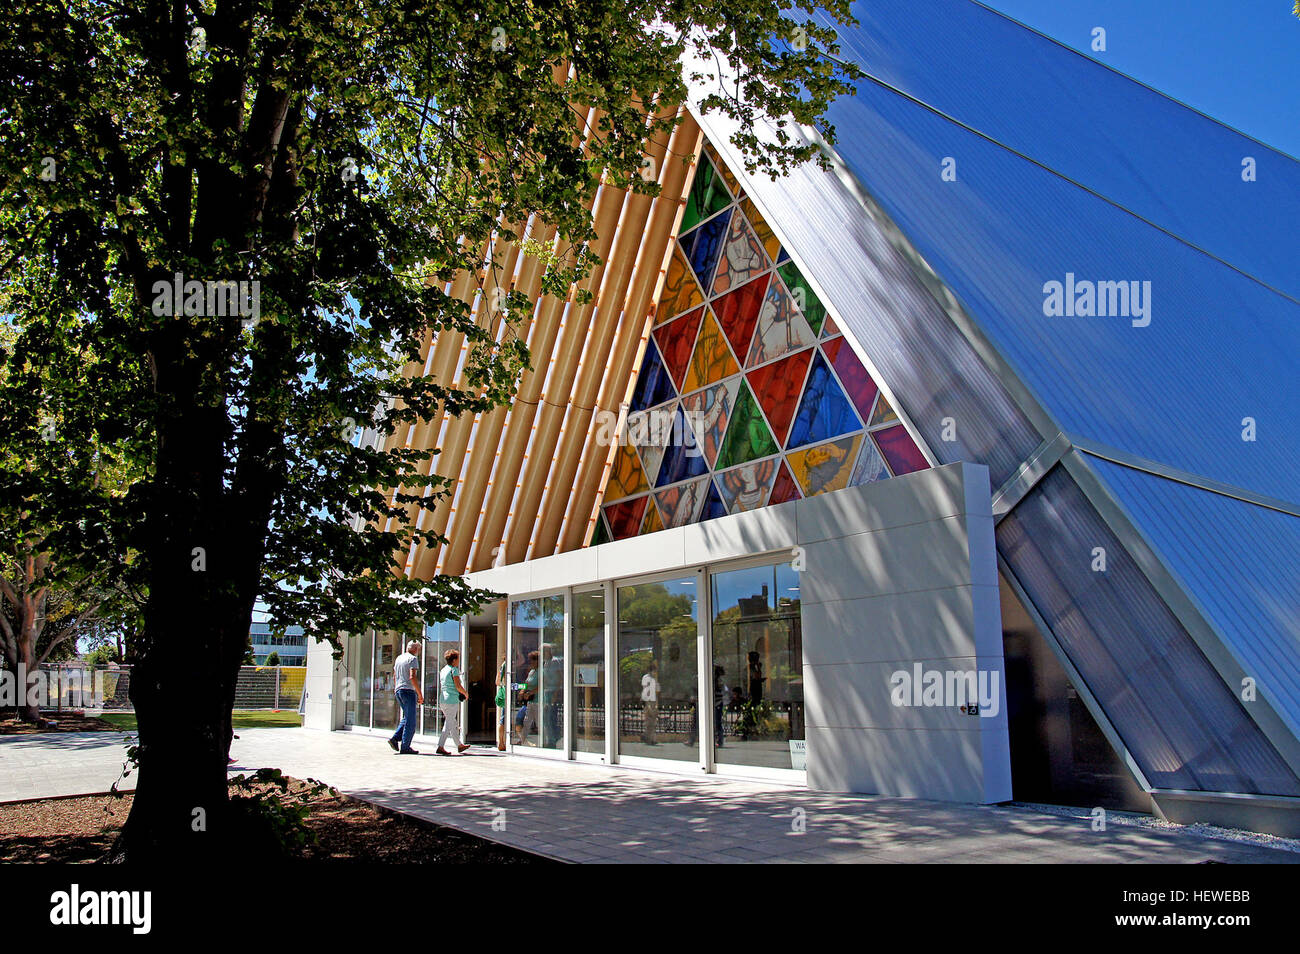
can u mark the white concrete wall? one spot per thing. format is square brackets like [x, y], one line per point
[897, 572]
[322, 688]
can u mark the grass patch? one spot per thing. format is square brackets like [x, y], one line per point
[245, 719]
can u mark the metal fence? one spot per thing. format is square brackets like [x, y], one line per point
[107, 688]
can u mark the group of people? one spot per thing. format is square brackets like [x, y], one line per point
[406, 686]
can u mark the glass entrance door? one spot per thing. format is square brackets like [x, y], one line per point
[537, 668]
[658, 670]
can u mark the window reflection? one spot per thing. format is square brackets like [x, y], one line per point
[658, 639]
[537, 628]
[589, 671]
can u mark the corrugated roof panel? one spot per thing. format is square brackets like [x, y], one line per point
[1164, 161]
[1220, 347]
[1239, 560]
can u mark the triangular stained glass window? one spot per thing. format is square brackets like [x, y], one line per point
[676, 342]
[781, 329]
[830, 329]
[784, 488]
[722, 170]
[600, 534]
[625, 518]
[745, 488]
[626, 478]
[748, 437]
[824, 411]
[712, 360]
[653, 385]
[857, 381]
[804, 297]
[678, 505]
[742, 258]
[713, 505]
[702, 247]
[777, 387]
[825, 467]
[737, 313]
[683, 458]
[681, 290]
[902, 454]
[869, 467]
[884, 413]
[707, 195]
[652, 521]
[648, 431]
[708, 411]
[771, 244]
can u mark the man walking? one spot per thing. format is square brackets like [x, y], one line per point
[406, 686]
[451, 692]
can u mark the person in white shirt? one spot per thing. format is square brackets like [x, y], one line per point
[406, 686]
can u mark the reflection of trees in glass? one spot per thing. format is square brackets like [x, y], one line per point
[654, 619]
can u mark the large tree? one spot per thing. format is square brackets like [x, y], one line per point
[349, 157]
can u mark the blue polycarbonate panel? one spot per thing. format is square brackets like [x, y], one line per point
[1182, 723]
[1220, 347]
[1241, 563]
[1125, 141]
[653, 384]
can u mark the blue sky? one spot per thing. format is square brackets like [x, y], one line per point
[1235, 60]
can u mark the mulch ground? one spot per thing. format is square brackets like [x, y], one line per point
[63, 722]
[81, 830]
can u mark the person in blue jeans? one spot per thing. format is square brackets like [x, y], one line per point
[406, 686]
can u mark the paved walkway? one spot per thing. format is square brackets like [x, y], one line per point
[598, 814]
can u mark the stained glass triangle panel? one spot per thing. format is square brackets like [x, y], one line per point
[712, 360]
[683, 457]
[743, 258]
[899, 450]
[681, 290]
[626, 478]
[781, 329]
[713, 505]
[676, 342]
[708, 412]
[804, 297]
[625, 518]
[707, 195]
[679, 504]
[737, 313]
[746, 487]
[857, 381]
[771, 244]
[652, 522]
[748, 437]
[702, 247]
[777, 387]
[825, 467]
[824, 411]
[883, 414]
[649, 431]
[869, 466]
[784, 487]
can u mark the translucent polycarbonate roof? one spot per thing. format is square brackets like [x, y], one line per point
[1238, 559]
[1021, 117]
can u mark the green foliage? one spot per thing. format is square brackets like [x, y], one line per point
[277, 816]
[272, 659]
[101, 656]
[350, 157]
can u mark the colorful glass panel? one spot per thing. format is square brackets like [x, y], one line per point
[869, 466]
[857, 381]
[707, 195]
[708, 412]
[702, 247]
[781, 329]
[712, 360]
[784, 487]
[771, 244]
[683, 458]
[679, 504]
[737, 313]
[600, 534]
[652, 521]
[803, 295]
[743, 258]
[777, 387]
[676, 342]
[830, 329]
[825, 467]
[748, 437]
[884, 413]
[901, 453]
[713, 505]
[824, 412]
[625, 518]
[722, 170]
[626, 478]
[681, 290]
[648, 431]
[653, 385]
[746, 487]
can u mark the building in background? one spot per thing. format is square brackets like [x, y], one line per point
[291, 647]
[1002, 399]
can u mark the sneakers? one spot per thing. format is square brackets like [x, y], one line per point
[392, 744]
